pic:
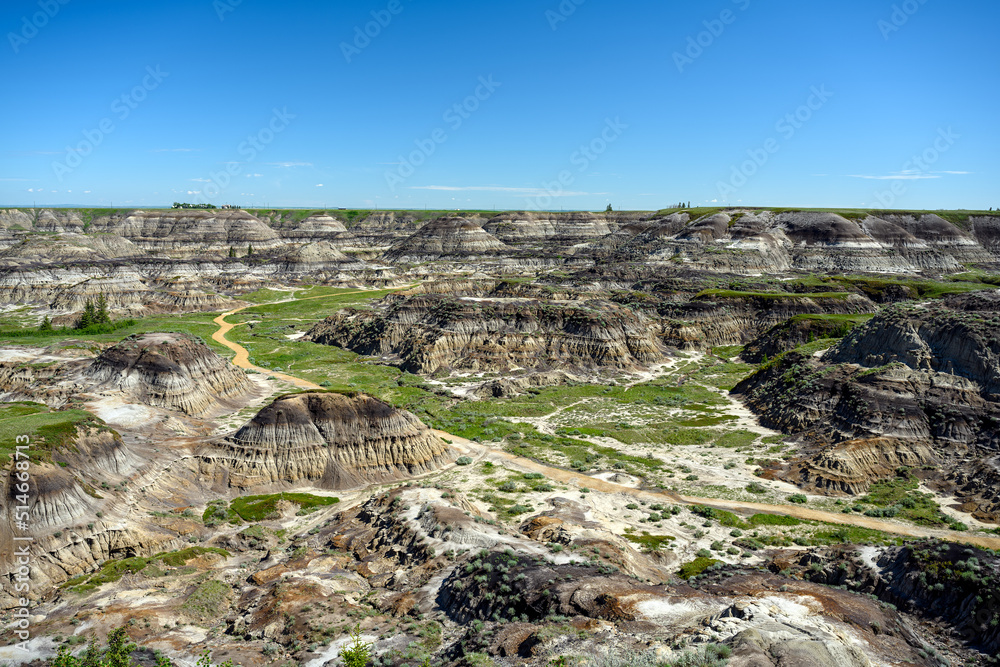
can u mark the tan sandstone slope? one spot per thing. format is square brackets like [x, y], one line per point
[174, 371]
[332, 439]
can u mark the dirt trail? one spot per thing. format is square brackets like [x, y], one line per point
[241, 360]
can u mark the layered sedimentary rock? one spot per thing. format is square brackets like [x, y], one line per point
[319, 257]
[916, 384]
[173, 371]
[185, 233]
[318, 226]
[796, 331]
[330, 439]
[39, 249]
[446, 238]
[753, 241]
[851, 466]
[563, 229]
[726, 318]
[431, 333]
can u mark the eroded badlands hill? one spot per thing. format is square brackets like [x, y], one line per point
[918, 385]
[173, 371]
[332, 440]
[432, 333]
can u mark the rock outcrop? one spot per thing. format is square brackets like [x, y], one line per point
[446, 238]
[562, 229]
[433, 333]
[319, 257]
[173, 371]
[330, 439]
[186, 233]
[918, 384]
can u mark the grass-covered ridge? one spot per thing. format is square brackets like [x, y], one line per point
[49, 430]
[259, 508]
[113, 570]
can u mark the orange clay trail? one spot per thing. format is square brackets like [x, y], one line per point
[566, 476]
[242, 358]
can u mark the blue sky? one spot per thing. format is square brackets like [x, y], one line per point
[560, 105]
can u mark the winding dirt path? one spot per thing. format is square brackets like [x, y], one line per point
[242, 360]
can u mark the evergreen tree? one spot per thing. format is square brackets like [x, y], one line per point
[120, 649]
[92, 656]
[102, 316]
[87, 317]
[249, 251]
[232, 251]
[608, 209]
[46, 325]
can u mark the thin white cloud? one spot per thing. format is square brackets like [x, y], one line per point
[202, 180]
[86, 192]
[289, 164]
[254, 175]
[527, 192]
[910, 175]
[319, 185]
[902, 176]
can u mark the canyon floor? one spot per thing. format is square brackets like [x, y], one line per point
[734, 436]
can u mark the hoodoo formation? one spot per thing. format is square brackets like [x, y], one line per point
[174, 371]
[334, 440]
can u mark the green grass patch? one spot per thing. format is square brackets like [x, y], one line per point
[777, 296]
[206, 601]
[259, 508]
[649, 542]
[724, 517]
[696, 567]
[727, 351]
[898, 496]
[199, 325]
[48, 430]
[113, 570]
[773, 520]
